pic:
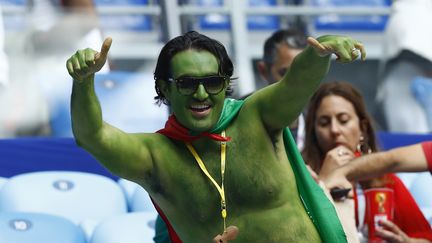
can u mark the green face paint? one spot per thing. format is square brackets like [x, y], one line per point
[199, 111]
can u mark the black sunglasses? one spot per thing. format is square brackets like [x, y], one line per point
[189, 85]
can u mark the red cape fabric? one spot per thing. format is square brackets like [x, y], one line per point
[172, 234]
[173, 129]
[427, 149]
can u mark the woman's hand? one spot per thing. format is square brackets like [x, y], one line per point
[335, 158]
[393, 234]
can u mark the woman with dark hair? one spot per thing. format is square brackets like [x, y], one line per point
[338, 129]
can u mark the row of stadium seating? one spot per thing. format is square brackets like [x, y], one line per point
[216, 21]
[75, 207]
[82, 207]
[78, 207]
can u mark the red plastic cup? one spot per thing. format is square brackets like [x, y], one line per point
[379, 206]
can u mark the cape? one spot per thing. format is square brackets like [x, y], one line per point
[317, 205]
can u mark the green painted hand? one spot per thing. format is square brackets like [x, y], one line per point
[87, 62]
[345, 48]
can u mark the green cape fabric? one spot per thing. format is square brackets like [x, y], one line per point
[230, 110]
[316, 203]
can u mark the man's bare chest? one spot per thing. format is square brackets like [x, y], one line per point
[253, 174]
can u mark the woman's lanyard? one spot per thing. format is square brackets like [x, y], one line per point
[204, 169]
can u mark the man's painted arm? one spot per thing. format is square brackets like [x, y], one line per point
[281, 103]
[123, 154]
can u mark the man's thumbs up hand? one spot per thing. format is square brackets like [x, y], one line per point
[85, 63]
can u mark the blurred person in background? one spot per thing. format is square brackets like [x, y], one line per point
[268, 196]
[280, 49]
[407, 55]
[62, 27]
[57, 28]
[338, 129]
[50, 31]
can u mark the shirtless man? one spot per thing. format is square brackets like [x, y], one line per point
[218, 159]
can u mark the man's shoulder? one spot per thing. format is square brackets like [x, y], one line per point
[150, 139]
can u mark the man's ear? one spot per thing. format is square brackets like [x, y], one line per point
[263, 71]
[163, 87]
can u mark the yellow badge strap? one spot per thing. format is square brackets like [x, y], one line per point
[204, 169]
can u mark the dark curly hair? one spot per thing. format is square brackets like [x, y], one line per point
[190, 40]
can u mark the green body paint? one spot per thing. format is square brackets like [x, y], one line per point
[200, 111]
[261, 189]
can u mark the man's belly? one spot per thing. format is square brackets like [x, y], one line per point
[281, 224]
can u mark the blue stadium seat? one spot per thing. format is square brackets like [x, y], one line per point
[127, 102]
[389, 140]
[130, 22]
[421, 189]
[141, 202]
[421, 87]
[14, 22]
[350, 23]
[30, 154]
[17, 227]
[407, 178]
[120, 2]
[222, 22]
[138, 199]
[13, 2]
[77, 196]
[427, 212]
[2, 181]
[128, 188]
[213, 21]
[263, 22]
[131, 228]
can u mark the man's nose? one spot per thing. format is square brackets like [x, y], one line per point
[201, 93]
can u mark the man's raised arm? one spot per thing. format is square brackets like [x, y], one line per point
[282, 102]
[123, 154]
